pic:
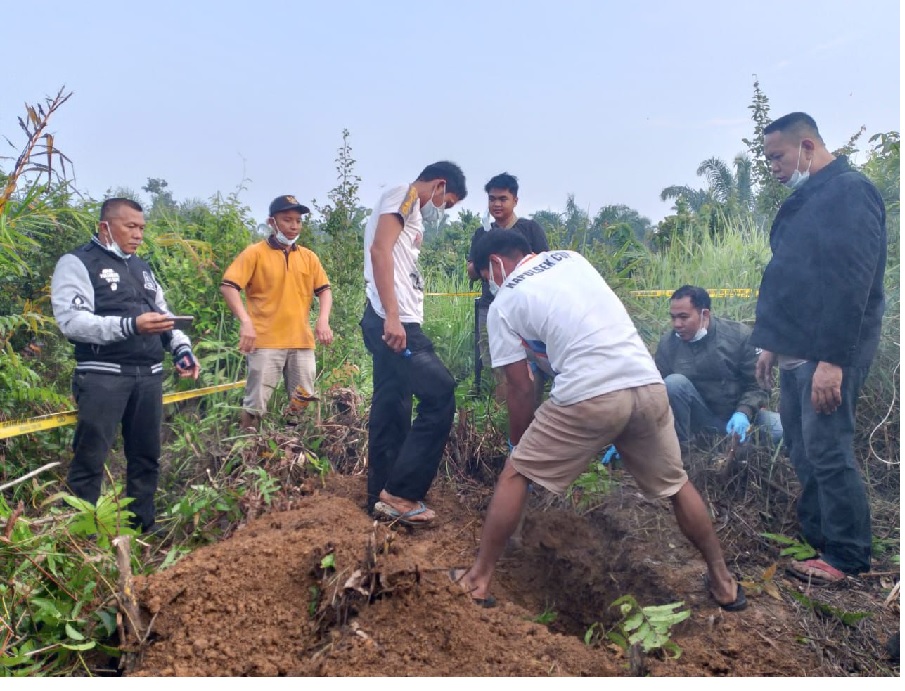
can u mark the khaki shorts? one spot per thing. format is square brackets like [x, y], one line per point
[561, 441]
[266, 366]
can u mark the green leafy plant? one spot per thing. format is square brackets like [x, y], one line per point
[314, 600]
[203, 504]
[321, 464]
[885, 547]
[264, 483]
[591, 486]
[795, 549]
[547, 617]
[58, 582]
[822, 609]
[650, 627]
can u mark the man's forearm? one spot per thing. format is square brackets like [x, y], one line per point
[325, 301]
[384, 281]
[234, 301]
[520, 404]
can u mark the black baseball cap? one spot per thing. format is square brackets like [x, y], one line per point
[287, 202]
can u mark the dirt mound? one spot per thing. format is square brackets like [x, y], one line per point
[323, 590]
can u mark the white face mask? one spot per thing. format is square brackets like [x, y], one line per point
[430, 212]
[282, 239]
[486, 221]
[491, 284]
[797, 179]
[112, 246]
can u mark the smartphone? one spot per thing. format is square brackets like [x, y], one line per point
[182, 322]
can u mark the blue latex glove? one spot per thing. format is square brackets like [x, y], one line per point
[738, 424]
[511, 447]
[609, 455]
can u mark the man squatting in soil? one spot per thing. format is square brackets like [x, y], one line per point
[708, 365]
[606, 389]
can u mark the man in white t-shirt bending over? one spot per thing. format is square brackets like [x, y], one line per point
[606, 389]
[403, 455]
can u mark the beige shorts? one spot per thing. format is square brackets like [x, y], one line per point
[561, 441]
[266, 366]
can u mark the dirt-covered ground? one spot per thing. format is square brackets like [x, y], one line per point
[318, 588]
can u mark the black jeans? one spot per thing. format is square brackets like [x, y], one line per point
[403, 456]
[833, 509]
[104, 401]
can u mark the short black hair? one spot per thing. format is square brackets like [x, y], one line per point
[506, 243]
[449, 171]
[797, 123]
[503, 181]
[700, 298]
[112, 204]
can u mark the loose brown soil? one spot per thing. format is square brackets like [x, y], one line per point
[265, 602]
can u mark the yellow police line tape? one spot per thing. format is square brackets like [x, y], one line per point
[69, 417]
[714, 293]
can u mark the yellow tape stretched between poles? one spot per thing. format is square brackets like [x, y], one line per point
[38, 424]
[714, 293]
[472, 294]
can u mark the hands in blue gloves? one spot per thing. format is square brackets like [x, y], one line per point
[738, 424]
[609, 455]
[511, 447]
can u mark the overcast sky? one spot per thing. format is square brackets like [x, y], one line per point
[609, 101]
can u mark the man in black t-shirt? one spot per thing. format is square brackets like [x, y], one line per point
[502, 197]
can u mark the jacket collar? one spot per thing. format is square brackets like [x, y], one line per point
[821, 177]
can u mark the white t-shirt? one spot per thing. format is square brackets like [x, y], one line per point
[558, 306]
[403, 201]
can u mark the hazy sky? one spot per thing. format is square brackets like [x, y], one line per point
[609, 101]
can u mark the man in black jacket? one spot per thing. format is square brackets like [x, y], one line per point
[819, 314]
[708, 366]
[107, 302]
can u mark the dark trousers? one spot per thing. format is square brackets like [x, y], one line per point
[104, 401]
[403, 456]
[833, 509]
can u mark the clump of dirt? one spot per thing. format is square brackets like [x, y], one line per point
[321, 589]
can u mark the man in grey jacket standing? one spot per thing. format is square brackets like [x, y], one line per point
[107, 302]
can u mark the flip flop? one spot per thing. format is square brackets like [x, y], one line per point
[384, 510]
[815, 572]
[455, 575]
[740, 602]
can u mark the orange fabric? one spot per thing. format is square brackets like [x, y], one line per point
[279, 287]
